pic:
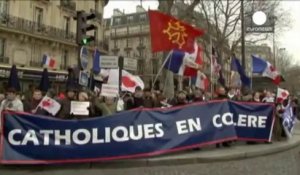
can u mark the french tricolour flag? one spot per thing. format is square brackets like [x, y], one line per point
[48, 61]
[265, 68]
[183, 63]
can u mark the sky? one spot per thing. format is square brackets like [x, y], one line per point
[289, 40]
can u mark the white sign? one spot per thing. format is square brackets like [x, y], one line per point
[80, 107]
[109, 62]
[109, 90]
[130, 64]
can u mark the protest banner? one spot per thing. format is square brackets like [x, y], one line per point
[109, 90]
[32, 139]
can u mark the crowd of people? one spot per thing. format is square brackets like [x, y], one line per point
[104, 106]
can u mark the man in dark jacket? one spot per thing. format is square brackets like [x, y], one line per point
[221, 95]
[138, 97]
[65, 109]
[31, 106]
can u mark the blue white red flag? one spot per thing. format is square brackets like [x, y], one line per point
[265, 68]
[183, 63]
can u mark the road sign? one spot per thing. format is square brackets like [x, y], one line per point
[84, 57]
[109, 62]
[130, 64]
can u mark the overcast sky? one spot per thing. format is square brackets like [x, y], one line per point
[290, 40]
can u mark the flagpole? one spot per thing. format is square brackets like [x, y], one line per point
[211, 68]
[160, 69]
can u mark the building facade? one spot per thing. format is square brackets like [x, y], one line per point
[33, 28]
[129, 35]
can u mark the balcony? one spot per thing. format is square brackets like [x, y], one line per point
[35, 28]
[35, 63]
[68, 5]
[131, 33]
[4, 60]
[63, 67]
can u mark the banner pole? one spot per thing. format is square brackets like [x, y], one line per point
[211, 68]
[160, 69]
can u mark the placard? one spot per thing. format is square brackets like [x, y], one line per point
[130, 64]
[80, 108]
[109, 90]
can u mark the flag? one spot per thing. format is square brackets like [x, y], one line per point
[288, 120]
[265, 68]
[13, 80]
[281, 95]
[129, 81]
[44, 83]
[183, 63]
[169, 33]
[196, 57]
[48, 61]
[237, 67]
[96, 62]
[202, 81]
[50, 105]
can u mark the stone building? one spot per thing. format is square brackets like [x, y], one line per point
[29, 29]
[129, 35]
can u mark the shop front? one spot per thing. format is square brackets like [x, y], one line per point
[33, 76]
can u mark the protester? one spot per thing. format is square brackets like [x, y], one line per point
[256, 97]
[221, 95]
[181, 99]
[138, 98]
[65, 111]
[109, 106]
[198, 95]
[148, 98]
[11, 102]
[32, 105]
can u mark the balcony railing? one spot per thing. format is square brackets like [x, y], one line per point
[4, 60]
[39, 29]
[68, 4]
[130, 33]
[35, 63]
[36, 28]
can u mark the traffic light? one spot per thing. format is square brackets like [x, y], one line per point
[83, 27]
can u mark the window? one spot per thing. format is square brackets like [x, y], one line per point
[117, 21]
[3, 7]
[130, 19]
[67, 26]
[39, 17]
[141, 40]
[97, 5]
[2, 47]
[143, 17]
[64, 61]
[128, 53]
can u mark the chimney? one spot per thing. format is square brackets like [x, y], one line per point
[117, 12]
[140, 9]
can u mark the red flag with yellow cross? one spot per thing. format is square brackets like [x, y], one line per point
[169, 33]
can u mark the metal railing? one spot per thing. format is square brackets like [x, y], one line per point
[68, 4]
[36, 28]
[35, 63]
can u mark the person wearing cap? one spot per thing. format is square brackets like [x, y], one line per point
[11, 102]
[65, 109]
